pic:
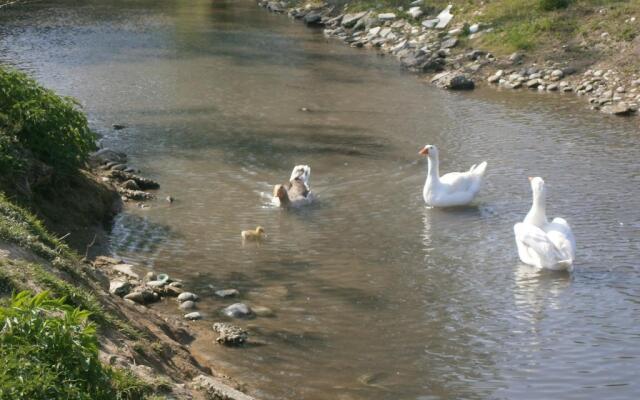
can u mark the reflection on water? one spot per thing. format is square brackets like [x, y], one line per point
[374, 296]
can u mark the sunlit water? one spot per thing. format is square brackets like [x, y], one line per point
[376, 297]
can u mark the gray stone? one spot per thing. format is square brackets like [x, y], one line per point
[187, 296]
[449, 43]
[386, 17]
[349, 20]
[230, 335]
[552, 87]
[188, 305]
[127, 270]
[313, 18]
[454, 81]
[557, 74]
[496, 77]
[621, 108]
[119, 288]
[415, 12]
[217, 389]
[532, 83]
[238, 310]
[516, 57]
[430, 23]
[142, 296]
[193, 316]
[227, 293]
[105, 156]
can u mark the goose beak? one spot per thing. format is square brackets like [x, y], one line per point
[424, 151]
[530, 178]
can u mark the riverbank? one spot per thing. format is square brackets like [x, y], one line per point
[51, 182]
[549, 46]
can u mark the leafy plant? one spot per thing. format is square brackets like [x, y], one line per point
[49, 350]
[49, 126]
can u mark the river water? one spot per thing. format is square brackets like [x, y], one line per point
[375, 296]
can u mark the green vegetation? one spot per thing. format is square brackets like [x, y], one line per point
[50, 351]
[36, 122]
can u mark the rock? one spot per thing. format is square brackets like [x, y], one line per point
[384, 32]
[187, 296]
[105, 156]
[169, 199]
[430, 23]
[516, 58]
[230, 334]
[142, 182]
[456, 81]
[216, 389]
[557, 74]
[552, 87]
[193, 316]
[313, 18]
[119, 167]
[227, 293]
[262, 311]
[474, 28]
[142, 296]
[532, 83]
[172, 291]
[449, 43]
[119, 288]
[187, 305]
[386, 17]
[373, 32]
[496, 77]
[473, 55]
[156, 284]
[444, 18]
[415, 12]
[349, 20]
[135, 194]
[621, 108]
[118, 127]
[131, 185]
[238, 310]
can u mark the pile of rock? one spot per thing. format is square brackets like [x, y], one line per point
[111, 166]
[545, 79]
[607, 92]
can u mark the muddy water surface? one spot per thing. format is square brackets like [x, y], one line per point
[375, 296]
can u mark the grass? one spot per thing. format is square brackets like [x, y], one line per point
[50, 350]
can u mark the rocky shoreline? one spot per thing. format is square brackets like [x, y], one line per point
[134, 287]
[441, 47]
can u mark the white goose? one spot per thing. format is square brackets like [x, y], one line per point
[452, 189]
[541, 243]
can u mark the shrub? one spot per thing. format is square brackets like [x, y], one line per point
[51, 127]
[550, 5]
[49, 350]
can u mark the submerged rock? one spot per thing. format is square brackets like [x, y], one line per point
[454, 81]
[230, 334]
[621, 108]
[188, 305]
[193, 316]
[187, 296]
[238, 310]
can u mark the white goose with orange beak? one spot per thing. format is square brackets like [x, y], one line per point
[452, 189]
[541, 243]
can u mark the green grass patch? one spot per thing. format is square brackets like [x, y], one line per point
[49, 350]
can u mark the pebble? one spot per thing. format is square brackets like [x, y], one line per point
[187, 296]
[193, 316]
[238, 310]
[262, 311]
[119, 288]
[188, 305]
